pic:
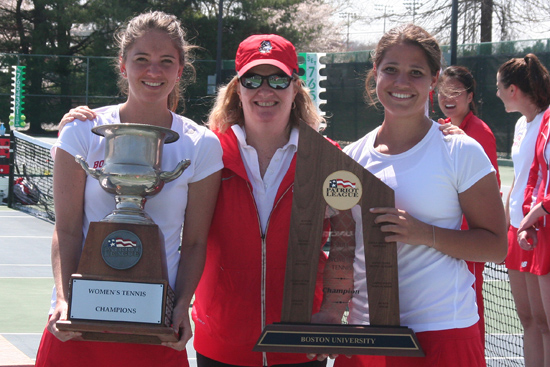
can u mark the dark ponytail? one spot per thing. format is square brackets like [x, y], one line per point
[530, 76]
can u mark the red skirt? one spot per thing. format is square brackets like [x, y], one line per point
[449, 348]
[541, 253]
[517, 258]
[53, 352]
[477, 268]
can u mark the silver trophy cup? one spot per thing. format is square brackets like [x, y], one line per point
[132, 168]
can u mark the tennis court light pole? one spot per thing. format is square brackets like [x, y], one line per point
[348, 15]
[454, 31]
[219, 45]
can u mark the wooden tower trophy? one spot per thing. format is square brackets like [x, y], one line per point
[330, 187]
[121, 291]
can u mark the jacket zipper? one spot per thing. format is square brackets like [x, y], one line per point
[547, 171]
[263, 270]
[264, 260]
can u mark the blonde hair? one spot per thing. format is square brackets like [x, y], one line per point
[228, 111]
[169, 24]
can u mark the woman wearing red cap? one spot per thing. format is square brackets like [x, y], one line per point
[255, 117]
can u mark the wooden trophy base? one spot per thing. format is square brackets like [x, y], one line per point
[119, 331]
[121, 292]
[339, 339]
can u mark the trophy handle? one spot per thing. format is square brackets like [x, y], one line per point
[167, 176]
[93, 172]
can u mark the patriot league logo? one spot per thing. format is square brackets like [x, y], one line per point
[342, 190]
[121, 249]
[337, 182]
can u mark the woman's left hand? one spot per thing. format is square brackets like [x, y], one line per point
[531, 219]
[181, 325]
[403, 227]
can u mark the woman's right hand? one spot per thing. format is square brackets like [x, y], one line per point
[527, 238]
[449, 129]
[60, 313]
[77, 113]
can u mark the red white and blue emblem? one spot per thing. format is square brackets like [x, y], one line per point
[121, 249]
[265, 47]
[121, 242]
[342, 190]
[338, 182]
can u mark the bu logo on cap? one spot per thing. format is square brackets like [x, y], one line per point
[265, 47]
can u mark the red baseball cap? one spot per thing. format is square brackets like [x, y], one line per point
[269, 49]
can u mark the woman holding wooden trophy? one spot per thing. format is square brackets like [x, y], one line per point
[436, 179]
[256, 117]
[153, 55]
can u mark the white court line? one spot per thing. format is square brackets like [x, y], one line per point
[22, 277]
[26, 265]
[26, 278]
[25, 236]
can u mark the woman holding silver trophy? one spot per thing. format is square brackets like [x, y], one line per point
[152, 57]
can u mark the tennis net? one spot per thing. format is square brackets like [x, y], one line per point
[31, 179]
[503, 330]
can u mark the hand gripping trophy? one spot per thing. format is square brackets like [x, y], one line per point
[121, 290]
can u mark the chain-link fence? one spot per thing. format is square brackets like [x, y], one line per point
[351, 117]
[54, 84]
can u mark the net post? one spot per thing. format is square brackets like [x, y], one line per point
[11, 177]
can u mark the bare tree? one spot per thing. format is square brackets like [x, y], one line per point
[478, 20]
[319, 19]
[486, 20]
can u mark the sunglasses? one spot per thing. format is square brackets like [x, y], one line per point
[254, 81]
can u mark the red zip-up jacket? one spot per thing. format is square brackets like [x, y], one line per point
[539, 175]
[241, 289]
[538, 191]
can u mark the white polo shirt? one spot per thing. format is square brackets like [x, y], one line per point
[523, 153]
[265, 189]
[435, 290]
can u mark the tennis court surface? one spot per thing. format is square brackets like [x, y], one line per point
[25, 284]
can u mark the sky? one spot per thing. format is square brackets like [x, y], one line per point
[361, 30]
